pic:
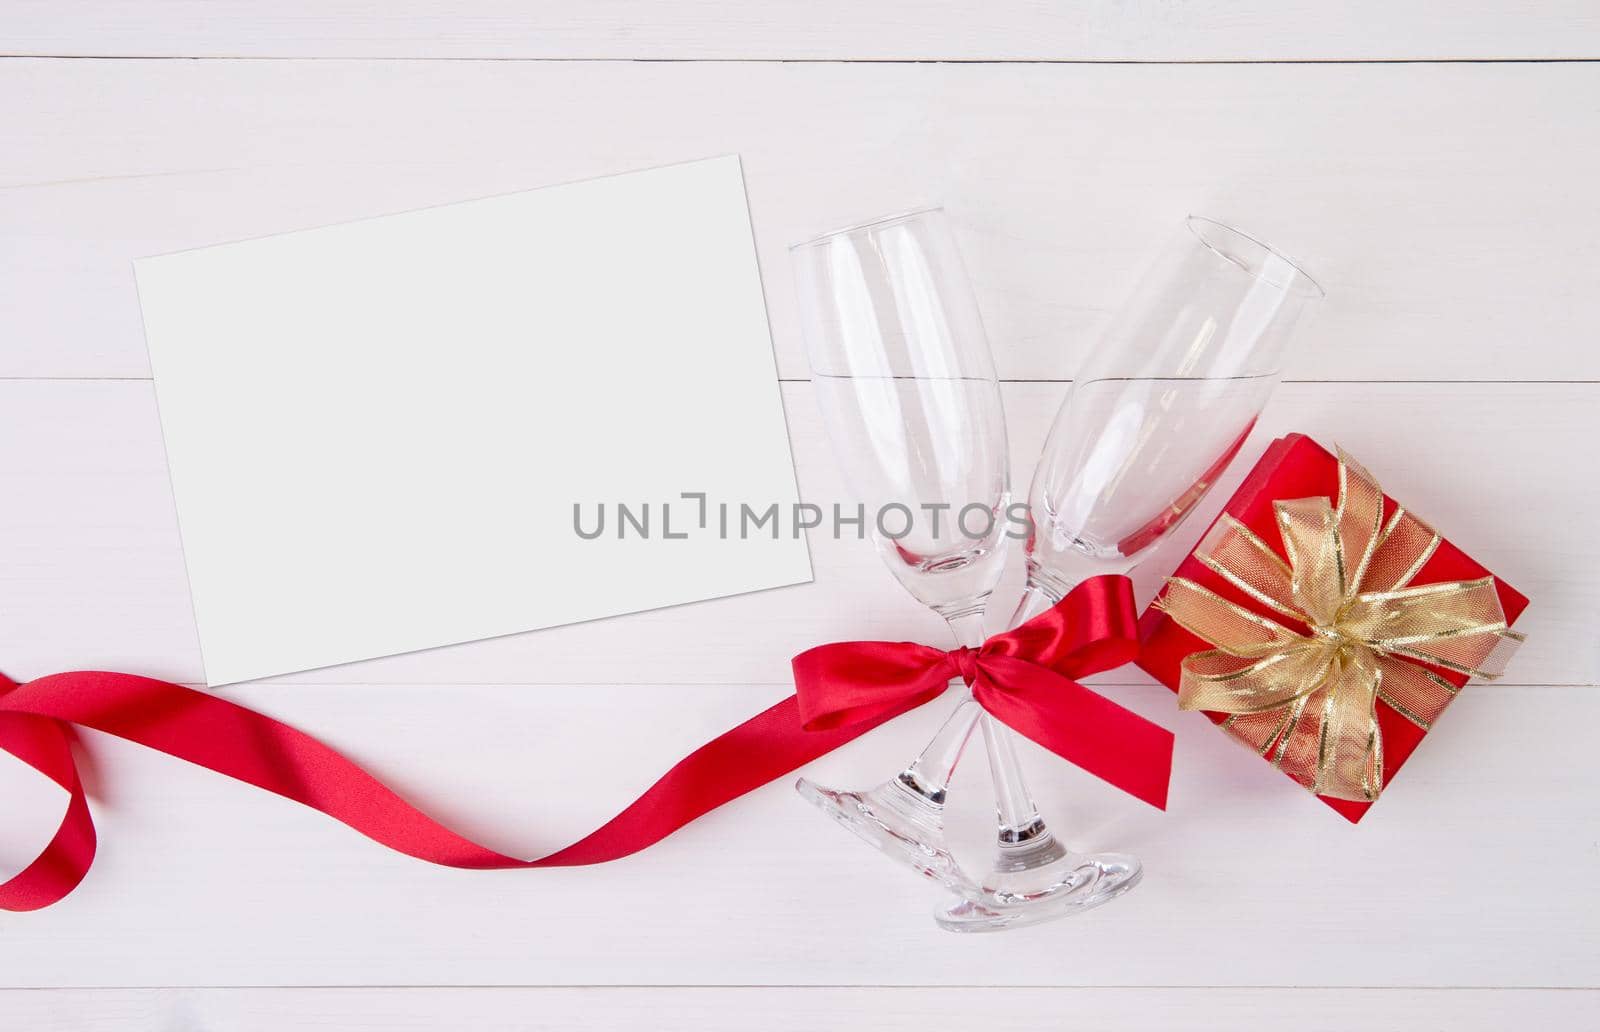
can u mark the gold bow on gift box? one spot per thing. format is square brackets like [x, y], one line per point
[1308, 699]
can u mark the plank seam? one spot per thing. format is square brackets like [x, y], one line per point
[1003, 379]
[899, 986]
[808, 60]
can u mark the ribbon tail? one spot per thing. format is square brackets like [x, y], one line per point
[1081, 726]
[258, 750]
[767, 746]
[1349, 763]
[63, 863]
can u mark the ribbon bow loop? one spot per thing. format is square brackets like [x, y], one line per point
[1357, 631]
[1025, 677]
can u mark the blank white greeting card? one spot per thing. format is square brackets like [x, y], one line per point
[378, 432]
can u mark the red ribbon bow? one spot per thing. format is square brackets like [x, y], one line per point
[1090, 630]
[1024, 677]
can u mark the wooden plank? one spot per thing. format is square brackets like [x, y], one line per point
[202, 882]
[1405, 188]
[93, 569]
[799, 1010]
[967, 30]
[1443, 264]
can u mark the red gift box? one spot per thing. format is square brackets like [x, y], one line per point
[1296, 467]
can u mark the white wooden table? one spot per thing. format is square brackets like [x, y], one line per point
[1435, 166]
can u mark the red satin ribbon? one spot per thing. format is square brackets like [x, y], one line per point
[1024, 677]
[36, 719]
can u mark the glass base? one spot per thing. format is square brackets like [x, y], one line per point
[1057, 884]
[900, 822]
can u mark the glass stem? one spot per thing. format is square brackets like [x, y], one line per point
[1015, 809]
[929, 774]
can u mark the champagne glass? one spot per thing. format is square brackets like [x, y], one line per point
[1155, 415]
[909, 396]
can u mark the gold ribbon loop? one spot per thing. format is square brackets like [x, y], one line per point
[1307, 700]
